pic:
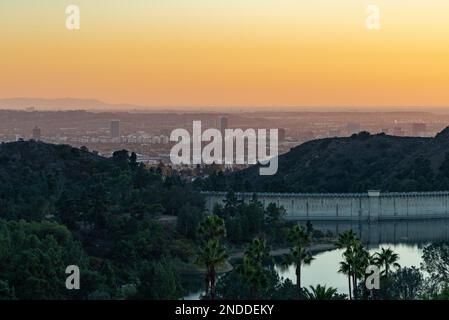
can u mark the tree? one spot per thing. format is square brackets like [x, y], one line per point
[104, 219]
[254, 260]
[361, 260]
[442, 294]
[235, 286]
[158, 281]
[231, 204]
[299, 255]
[121, 157]
[211, 255]
[386, 258]
[356, 259]
[345, 268]
[407, 284]
[33, 257]
[133, 160]
[273, 220]
[212, 227]
[252, 214]
[322, 293]
[273, 215]
[6, 292]
[436, 262]
[189, 218]
[347, 240]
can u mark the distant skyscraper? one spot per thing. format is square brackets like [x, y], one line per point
[115, 129]
[418, 129]
[223, 124]
[36, 133]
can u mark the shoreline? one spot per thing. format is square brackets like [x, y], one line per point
[314, 249]
[193, 270]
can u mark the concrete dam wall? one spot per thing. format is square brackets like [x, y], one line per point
[370, 206]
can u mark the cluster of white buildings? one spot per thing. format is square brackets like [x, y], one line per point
[132, 138]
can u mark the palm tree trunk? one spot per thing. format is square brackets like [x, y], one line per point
[206, 282]
[253, 292]
[349, 283]
[354, 285]
[298, 280]
[212, 282]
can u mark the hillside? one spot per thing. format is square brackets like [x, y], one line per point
[61, 205]
[352, 164]
[38, 179]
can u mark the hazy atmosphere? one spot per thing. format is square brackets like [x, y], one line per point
[200, 53]
[221, 158]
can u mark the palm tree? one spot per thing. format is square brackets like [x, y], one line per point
[211, 255]
[350, 258]
[258, 251]
[362, 259]
[256, 256]
[346, 239]
[321, 293]
[387, 258]
[345, 268]
[356, 259]
[299, 255]
[212, 227]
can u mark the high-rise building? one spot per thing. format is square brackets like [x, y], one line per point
[115, 129]
[36, 135]
[418, 129]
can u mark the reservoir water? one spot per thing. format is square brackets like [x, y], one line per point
[406, 238]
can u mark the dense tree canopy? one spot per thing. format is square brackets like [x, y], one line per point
[61, 205]
[351, 164]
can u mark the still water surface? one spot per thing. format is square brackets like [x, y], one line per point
[407, 238]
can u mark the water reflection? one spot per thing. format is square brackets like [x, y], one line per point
[414, 232]
[407, 238]
[324, 268]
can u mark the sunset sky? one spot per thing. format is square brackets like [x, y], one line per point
[228, 52]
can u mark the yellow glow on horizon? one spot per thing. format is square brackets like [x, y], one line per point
[220, 53]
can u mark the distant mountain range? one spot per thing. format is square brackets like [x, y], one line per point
[352, 164]
[22, 103]
[64, 104]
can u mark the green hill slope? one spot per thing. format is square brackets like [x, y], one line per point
[352, 164]
[61, 205]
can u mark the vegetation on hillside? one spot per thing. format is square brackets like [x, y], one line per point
[353, 164]
[63, 206]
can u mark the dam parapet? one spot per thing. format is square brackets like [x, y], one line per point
[373, 205]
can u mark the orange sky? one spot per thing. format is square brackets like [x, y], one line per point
[228, 53]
